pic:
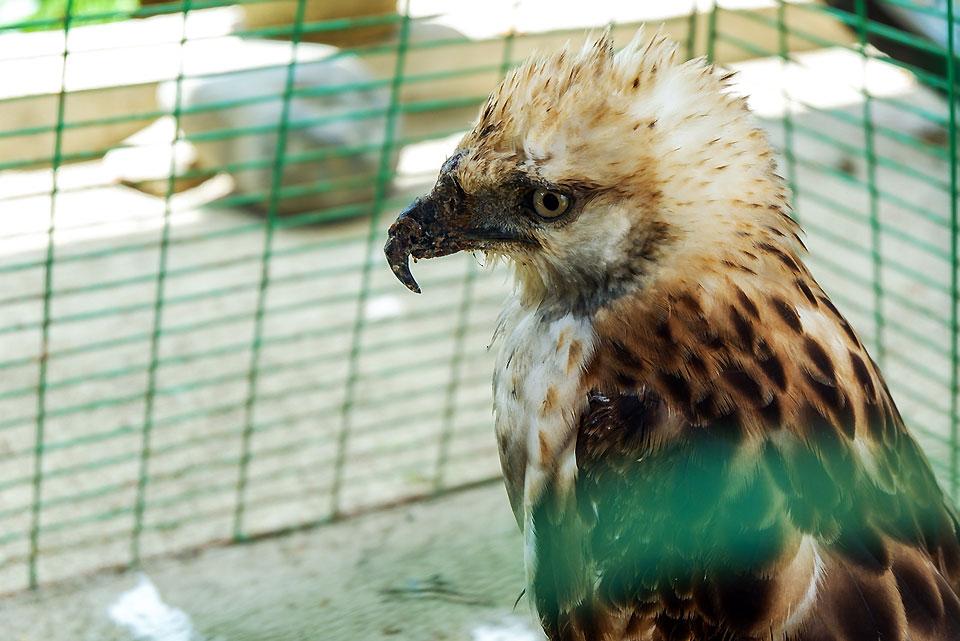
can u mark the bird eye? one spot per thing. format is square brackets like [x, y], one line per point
[550, 204]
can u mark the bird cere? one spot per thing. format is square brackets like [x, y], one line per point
[695, 443]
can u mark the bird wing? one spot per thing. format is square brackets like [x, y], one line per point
[684, 524]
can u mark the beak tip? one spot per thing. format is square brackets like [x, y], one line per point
[405, 236]
[402, 272]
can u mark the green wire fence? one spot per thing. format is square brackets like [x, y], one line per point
[875, 185]
[199, 341]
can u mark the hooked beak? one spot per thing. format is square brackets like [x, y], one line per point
[447, 221]
[419, 232]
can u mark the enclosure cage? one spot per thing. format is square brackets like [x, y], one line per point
[200, 343]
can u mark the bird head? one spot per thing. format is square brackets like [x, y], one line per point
[594, 172]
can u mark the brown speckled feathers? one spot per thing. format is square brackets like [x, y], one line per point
[696, 445]
[736, 428]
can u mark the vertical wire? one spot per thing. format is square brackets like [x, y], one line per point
[373, 234]
[48, 263]
[954, 231]
[463, 313]
[158, 304]
[711, 52]
[692, 23]
[253, 372]
[789, 158]
[879, 322]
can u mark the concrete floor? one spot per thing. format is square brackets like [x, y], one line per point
[408, 427]
[442, 570]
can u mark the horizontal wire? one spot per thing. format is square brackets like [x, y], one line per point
[188, 470]
[111, 514]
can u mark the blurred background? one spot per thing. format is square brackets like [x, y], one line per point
[221, 417]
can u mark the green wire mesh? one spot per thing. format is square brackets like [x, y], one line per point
[176, 373]
[881, 214]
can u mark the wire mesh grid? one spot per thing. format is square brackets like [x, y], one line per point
[199, 341]
[867, 137]
[172, 380]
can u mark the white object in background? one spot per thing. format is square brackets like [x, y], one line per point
[508, 629]
[930, 24]
[380, 307]
[142, 611]
[334, 105]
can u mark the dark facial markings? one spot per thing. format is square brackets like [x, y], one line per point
[450, 164]
[547, 204]
[456, 185]
[520, 198]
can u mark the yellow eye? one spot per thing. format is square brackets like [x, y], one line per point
[550, 204]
